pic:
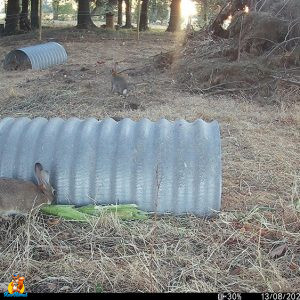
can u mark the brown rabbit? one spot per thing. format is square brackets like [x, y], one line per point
[20, 196]
[118, 82]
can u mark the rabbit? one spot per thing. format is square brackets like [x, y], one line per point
[118, 82]
[19, 197]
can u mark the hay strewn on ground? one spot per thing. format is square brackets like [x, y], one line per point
[188, 254]
[260, 54]
[238, 250]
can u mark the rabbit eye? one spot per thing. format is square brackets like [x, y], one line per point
[53, 192]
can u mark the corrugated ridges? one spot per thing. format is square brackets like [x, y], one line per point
[106, 161]
[45, 55]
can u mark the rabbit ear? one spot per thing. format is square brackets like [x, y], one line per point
[45, 177]
[115, 66]
[42, 176]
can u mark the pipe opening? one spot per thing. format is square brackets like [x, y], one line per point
[17, 60]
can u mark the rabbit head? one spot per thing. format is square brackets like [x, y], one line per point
[20, 197]
[43, 180]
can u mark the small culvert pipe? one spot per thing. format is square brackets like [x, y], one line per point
[164, 167]
[36, 57]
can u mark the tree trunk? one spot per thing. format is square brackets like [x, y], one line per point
[144, 16]
[174, 22]
[34, 16]
[55, 6]
[128, 14]
[205, 8]
[12, 17]
[110, 21]
[120, 12]
[24, 20]
[84, 20]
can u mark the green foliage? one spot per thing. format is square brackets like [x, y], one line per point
[47, 7]
[99, 8]
[61, 9]
[98, 288]
[159, 10]
[84, 213]
[66, 9]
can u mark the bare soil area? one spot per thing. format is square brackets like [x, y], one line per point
[253, 245]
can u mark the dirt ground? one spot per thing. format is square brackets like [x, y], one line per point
[253, 245]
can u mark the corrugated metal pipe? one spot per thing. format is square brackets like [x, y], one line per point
[160, 166]
[37, 57]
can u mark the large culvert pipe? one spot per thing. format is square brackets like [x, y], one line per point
[161, 166]
[36, 57]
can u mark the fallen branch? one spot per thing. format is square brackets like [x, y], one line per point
[287, 80]
[282, 43]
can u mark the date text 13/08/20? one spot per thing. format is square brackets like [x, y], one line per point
[280, 296]
[259, 296]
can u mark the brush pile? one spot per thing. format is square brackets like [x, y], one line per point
[250, 47]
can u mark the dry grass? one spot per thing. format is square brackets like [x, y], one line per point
[234, 251]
